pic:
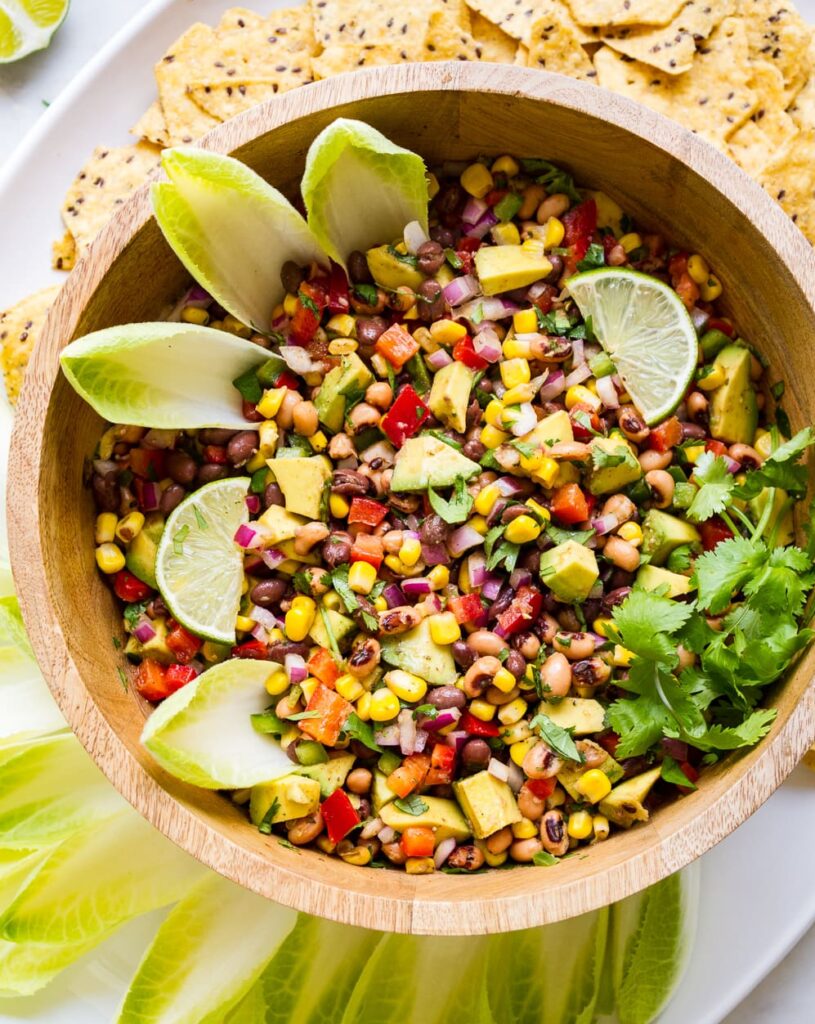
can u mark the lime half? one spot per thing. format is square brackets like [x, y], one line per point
[199, 567]
[27, 25]
[646, 330]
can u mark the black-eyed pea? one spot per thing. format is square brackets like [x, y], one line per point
[556, 675]
[575, 646]
[304, 830]
[651, 459]
[624, 555]
[499, 841]
[524, 850]
[662, 485]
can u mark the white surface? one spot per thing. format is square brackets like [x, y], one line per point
[758, 887]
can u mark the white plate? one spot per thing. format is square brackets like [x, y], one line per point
[758, 888]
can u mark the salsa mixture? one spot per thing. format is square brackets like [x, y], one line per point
[517, 557]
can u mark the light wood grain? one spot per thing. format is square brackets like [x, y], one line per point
[661, 174]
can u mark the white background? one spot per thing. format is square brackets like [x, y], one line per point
[787, 996]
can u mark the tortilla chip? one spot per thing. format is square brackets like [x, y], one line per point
[366, 22]
[767, 82]
[152, 127]
[446, 41]
[778, 34]
[713, 99]
[495, 45]
[227, 98]
[631, 12]
[554, 46]
[516, 17]
[673, 47]
[809, 758]
[103, 184]
[789, 177]
[186, 121]
[19, 328]
[237, 18]
[335, 60]
[458, 13]
[752, 148]
[63, 253]
[522, 56]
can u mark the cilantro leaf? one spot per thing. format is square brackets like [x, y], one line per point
[640, 723]
[553, 178]
[595, 257]
[458, 508]
[716, 486]
[781, 469]
[506, 552]
[544, 859]
[560, 536]
[558, 738]
[602, 459]
[356, 729]
[133, 612]
[671, 772]
[339, 581]
[644, 618]
[265, 825]
[720, 573]
[412, 804]
[754, 728]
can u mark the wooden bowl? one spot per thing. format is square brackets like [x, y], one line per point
[663, 175]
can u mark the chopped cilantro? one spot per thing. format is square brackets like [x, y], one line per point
[366, 292]
[133, 612]
[199, 518]
[558, 738]
[716, 484]
[602, 459]
[178, 539]
[671, 772]
[356, 729]
[266, 824]
[595, 257]
[339, 581]
[544, 859]
[413, 805]
[554, 179]
[459, 505]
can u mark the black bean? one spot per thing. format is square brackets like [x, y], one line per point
[215, 435]
[242, 447]
[349, 481]
[692, 431]
[464, 655]
[272, 495]
[516, 664]
[557, 268]
[291, 276]
[181, 467]
[620, 578]
[106, 492]
[501, 603]
[615, 597]
[291, 749]
[172, 497]
[278, 651]
[445, 697]
[513, 512]
[369, 328]
[430, 257]
[431, 304]
[444, 236]
[449, 202]
[268, 592]
[474, 450]
[475, 755]
[337, 549]
[211, 471]
[433, 530]
[358, 268]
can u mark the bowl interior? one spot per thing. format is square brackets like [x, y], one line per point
[663, 176]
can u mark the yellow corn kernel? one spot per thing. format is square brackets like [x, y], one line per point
[270, 402]
[534, 247]
[495, 860]
[308, 686]
[514, 348]
[524, 829]
[580, 825]
[712, 380]
[218, 325]
[425, 340]
[444, 629]
[235, 326]
[277, 683]
[342, 324]
[342, 346]
[600, 826]
[420, 866]
[464, 578]
[491, 437]
[567, 473]
[105, 529]
[531, 463]
[268, 435]
[338, 506]
[194, 315]
[299, 620]
[109, 558]
[493, 414]
[482, 710]
[361, 577]
[479, 524]
[514, 372]
[504, 680]
[632, 532]
[577, 393]
[380, 604]
[384, 705]
[410, 551]
[513, 712]
[363, 707]
[395, 564]
[506, 234]
[360, 856]
[553, 233]
[631, 241]
[290, 304]
[245, 585]
[349, 687]
[693, 453]
[711, 289]
[129, 526]
[258, 461]
[594, 785]
[506, 165]
[405, 685]
[325, 844]
[547, 472]
[432, 185]
[518, 732]
[525, 321]
[476, 180]
[447, 332]
[622, 657]
[444, 275]
[698, 269]
[276, 636]
[439, 577]
[600, 626]
[522, 530]
[538, 509]
[486, 498]
[332, 601]
[244, 624]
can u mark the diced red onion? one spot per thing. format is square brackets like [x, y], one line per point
[105, 466]
[272, 557]
[554, 386]
[151, 496]
[443, 851]
[488, 346]
[699, 319]
[520, 578]
[436, 360]
[604, 524]
[247, 538]
[484, 325]
[491, 587]
[456, 739]
[442, 720]
[407, 732]
[498, 769]
[296, 358]
[477, 569]
[420, 742]
[618, 383]
[415, 237]
[607, 393]
[509, 486]
[578, 356]
[386, 834]
[197, 296]
[500, 631]
[590, 350]
[677, 749]
[536, 290]
[412, 522]
[263, 616]
[144, 631]
[416, 587]
[432, 604]
[482, 228]
[461, 289]
[388, 736]
[488, 308]
[462, 539]
[259, 632]
[516, 777]
[295, 665]
[253, 503]
[578, 375]
[524, 421]
[435, 554]
[599, 641]
[379, 450]
[473, 211]
[732, 465]
[393, 595]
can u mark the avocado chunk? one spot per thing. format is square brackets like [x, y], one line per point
[652, 577]
[569, 570]
[553, 429]
[733, 407]
[303, 482]
[502, 268]
[342, 626]
[294, 795]
[570, 774]
[488, 803]
[390, 272]
[142, 550]
[417, 652]
[286, 547]
[279, 524]
[425, 461]
[351, 376]
[330, 774]
[580, 714]
[443, 816]
[785, 534]
[155, 648]
[624, 804]
[381, 792]
[662, 533]
[450, 395]
[613, 465]
[609, 213]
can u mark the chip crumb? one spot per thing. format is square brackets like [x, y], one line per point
[63, 253]
[152, 127]
[19, 329]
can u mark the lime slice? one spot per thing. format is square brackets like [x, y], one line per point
[27, 25]
[646, 330]
[199, 567]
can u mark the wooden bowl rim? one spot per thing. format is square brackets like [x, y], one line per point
[442, 905]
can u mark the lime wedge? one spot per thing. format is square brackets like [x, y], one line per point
[27, 25]
[646, 330]
[199, 567]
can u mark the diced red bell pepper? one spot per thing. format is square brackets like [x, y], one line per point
[177, 676]
[495, 195]
[609, 742]
[365, 510]
[464, 352]
[418, 841]
[569, 504]
[339, 301]
[469, 244]
[580, 223]
[339, 815]
[251, 649]
[130, 588]
[716, 447]
[148, 462]
[311, 301]
[150, 681]
[183, 644]
[582, 431]
[713, 532]
[691, 774]
[541, 788]
[215, 453]
[367, 548]
[466, 259]
[410, 775]
[249, 412]
[666, 436]
[687, 290]
[475, 727]
[286, 379]
[405, 417]
[397, 345]
[332, 712]
[466, 608]
[678, 265]
[525, 608]
[322, 665]
[715, 324]
[442, 765]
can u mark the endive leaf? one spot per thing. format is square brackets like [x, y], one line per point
[165, 375]
[231, 230]
[206, 955]
[26, 968]
[360, 189]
